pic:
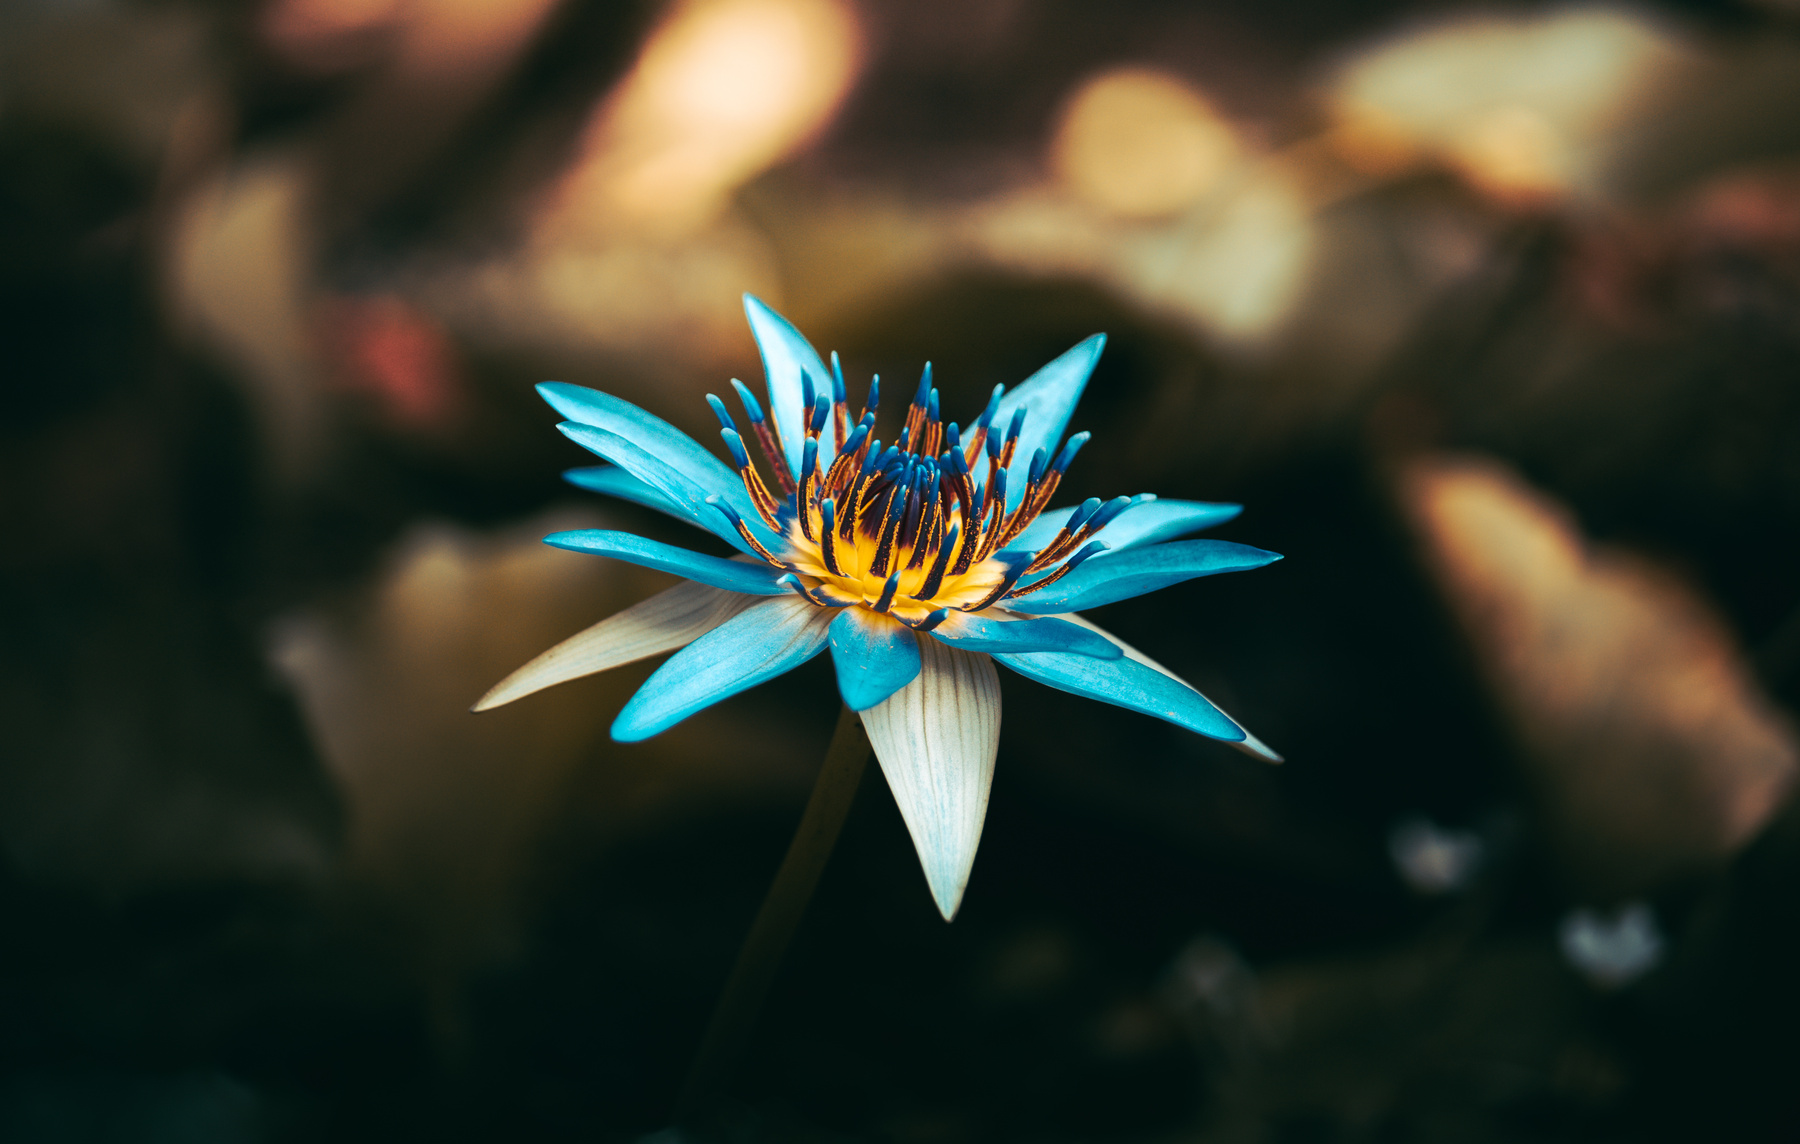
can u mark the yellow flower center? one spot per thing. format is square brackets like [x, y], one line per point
[908, 530]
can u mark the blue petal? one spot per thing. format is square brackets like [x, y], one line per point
[688, 497]
[875, 656]
[645, 430]
[616, 482]
[786, 355]
[983, 633]
[1129, 684]
[1154, 521]
[1150, 520]
[1049, 397]
[1106, 580]
[732, 575]
[655, 452]
[769, 639]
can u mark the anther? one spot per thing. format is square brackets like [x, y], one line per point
[934, 579]
[1094, 548]
[809, 472]
[767, 436]
[828, 537]
[1012, 437]
[978, 433]
[743, 530]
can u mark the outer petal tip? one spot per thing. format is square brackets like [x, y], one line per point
[946, 889]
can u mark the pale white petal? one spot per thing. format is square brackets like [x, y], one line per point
[1251, 744]
[666, 621]
[936, 739]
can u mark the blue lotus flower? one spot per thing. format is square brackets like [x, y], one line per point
[918, 563]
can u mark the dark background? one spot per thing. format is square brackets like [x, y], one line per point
[1490, 316]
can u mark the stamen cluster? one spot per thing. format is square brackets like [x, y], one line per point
[918, 528]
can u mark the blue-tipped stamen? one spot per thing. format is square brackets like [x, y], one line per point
[934, 579]
[767, 437]
[1070, 447]
[1015, 563]
[873, 401]
[887, 592]
[1012, 437]
[752, 408]
[890, 527]
[915, 502]
[1108, 514]
[719, 411]
[1083, 511]
[1093, 548]
[828, 537]
[933, 620]
[809, 458]
[809, 475]
[739, 455]
[819, 594]
[840, 401]
[743, 530]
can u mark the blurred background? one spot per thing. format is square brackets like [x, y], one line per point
[1489, 314]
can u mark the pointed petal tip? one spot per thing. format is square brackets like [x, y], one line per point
[566, 539]
[947, 877]
[947, 898]
[1258, 749]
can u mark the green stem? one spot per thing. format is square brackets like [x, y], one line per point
[757, 962]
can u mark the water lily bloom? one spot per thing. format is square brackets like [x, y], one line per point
[918, 563]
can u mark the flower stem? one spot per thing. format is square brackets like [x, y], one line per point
[735, 1015]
